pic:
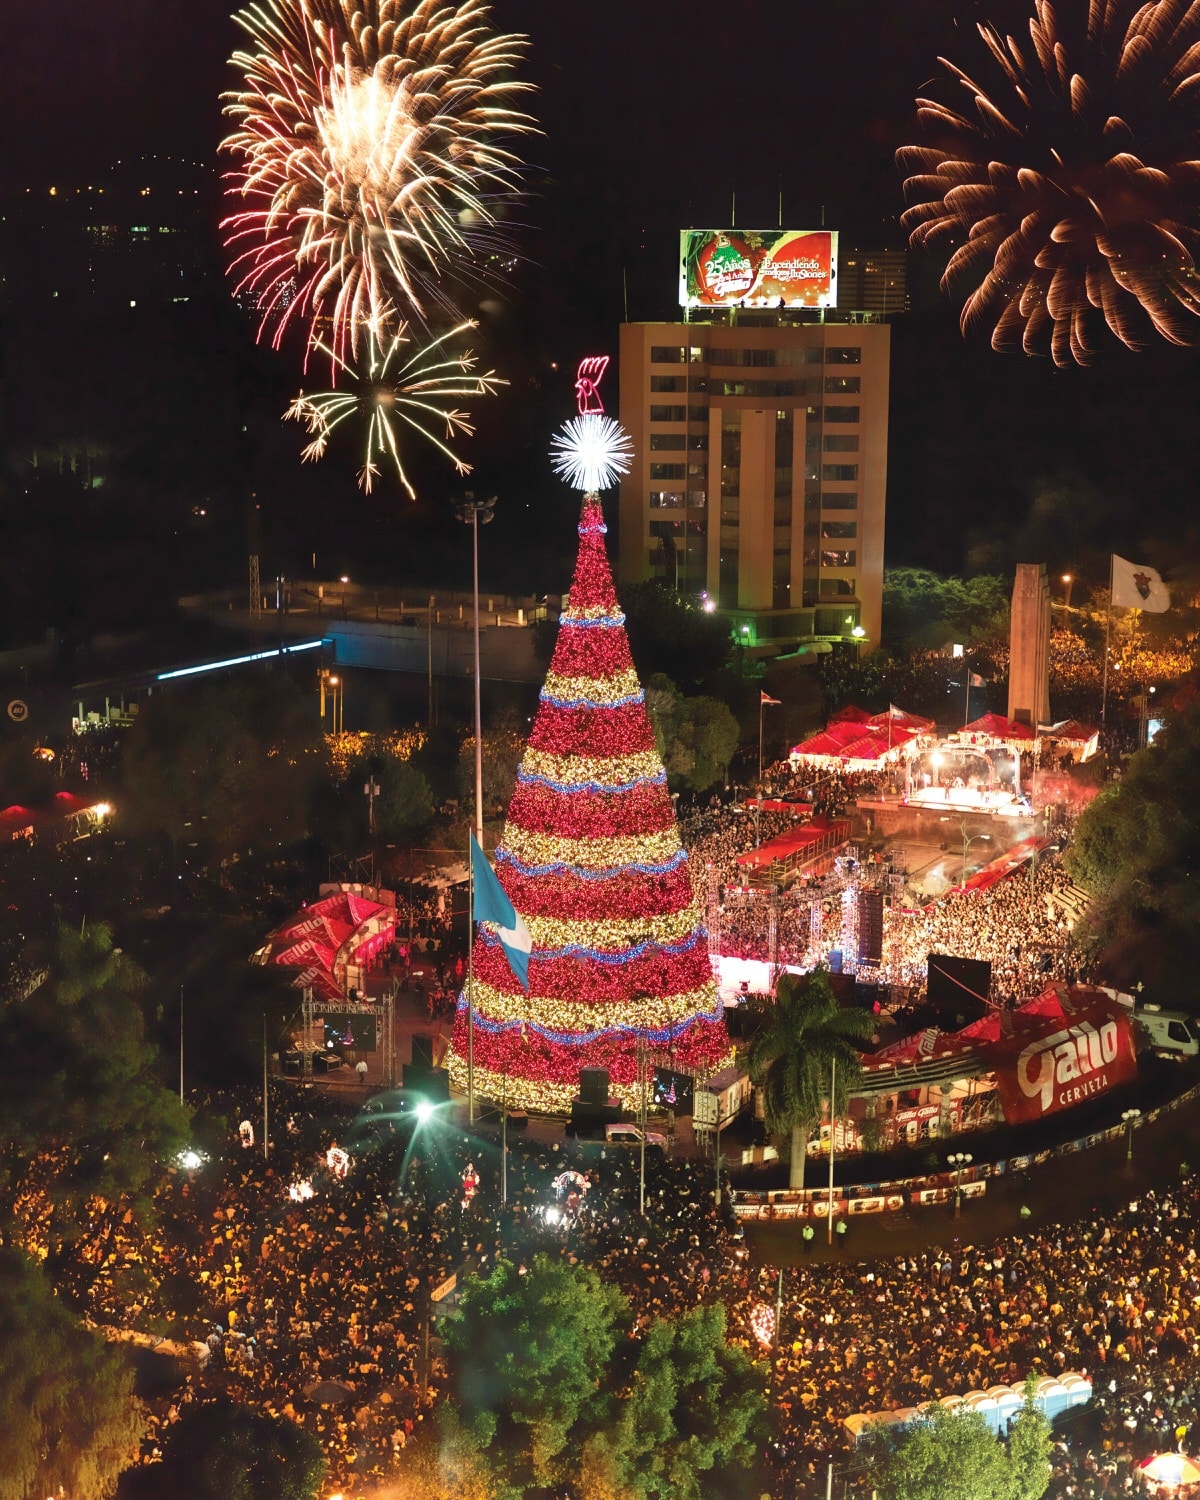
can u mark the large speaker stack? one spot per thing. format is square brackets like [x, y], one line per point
[870, 927]
[422, 1077]
[592, 1110]
[593, 1085]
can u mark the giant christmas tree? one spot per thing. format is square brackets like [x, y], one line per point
[591, 858]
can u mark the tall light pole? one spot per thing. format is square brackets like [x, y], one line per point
[976, 838]
[1131, 1117]
[473, 512]
[1068, 580]
[958, 1160]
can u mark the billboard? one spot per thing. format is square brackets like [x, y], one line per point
[1055, 1064]
[758, 268]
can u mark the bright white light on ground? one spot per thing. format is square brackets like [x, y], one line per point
[300, 1192]
[762, 1322]
[423, 1110]
[591, 453]
[191, 1159]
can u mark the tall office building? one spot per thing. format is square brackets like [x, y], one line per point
[760, 466]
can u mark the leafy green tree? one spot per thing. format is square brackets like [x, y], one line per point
[696, 1406]
[956, 1455]
[1136, 851]
[67, 1410]
[224, 767]
[87, 1127]
[696, 737]
[669, 634]
[1030, 1441]
[405, 800]
[950, 1455]
[800, 1034]
[222, 1451]
[527, 1353]
[921, 608]
[503, 747]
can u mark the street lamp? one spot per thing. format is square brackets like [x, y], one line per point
[1131, 1117]
[1068, 580]
[474, 512]
[976, 838]
[958, 1161]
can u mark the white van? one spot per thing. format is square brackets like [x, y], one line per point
[1169, 1031]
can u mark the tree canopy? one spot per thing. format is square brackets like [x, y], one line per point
[1136, 851]
[696, 1405]
[224, 767]
[88, 1127]
[956, 1455]
[548, 1389]
[527, 1351]
[800, 1035]
[67, 1412]
[669, 634]
[921, 608]
[223, 1451]
[696, 737]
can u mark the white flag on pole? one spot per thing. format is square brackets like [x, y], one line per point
[1135, 586]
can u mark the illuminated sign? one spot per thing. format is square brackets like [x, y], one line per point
[758, 268]
[587, 383]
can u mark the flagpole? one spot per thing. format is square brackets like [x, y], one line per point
[1107, 639]
[967, 704]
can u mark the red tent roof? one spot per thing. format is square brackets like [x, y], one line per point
[312, 939]
[900, 718]
[999, 728]
[796, 842]
[850, 714]
[853, 740]
[1072, 731]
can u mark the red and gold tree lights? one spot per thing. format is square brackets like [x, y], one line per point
[591, 858]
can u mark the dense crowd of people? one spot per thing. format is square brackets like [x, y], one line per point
[1118, 1301]
[309, 1293]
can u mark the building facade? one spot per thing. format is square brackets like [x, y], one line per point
[760, 469]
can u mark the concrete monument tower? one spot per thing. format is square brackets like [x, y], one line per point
[1029, 646]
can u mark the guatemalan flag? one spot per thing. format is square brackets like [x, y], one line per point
[493, 905]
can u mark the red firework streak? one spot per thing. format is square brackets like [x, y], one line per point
[591, 858]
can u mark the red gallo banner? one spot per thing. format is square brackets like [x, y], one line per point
[1057, 1063]
[758, 268]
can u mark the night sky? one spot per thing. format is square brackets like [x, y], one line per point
[656, 113]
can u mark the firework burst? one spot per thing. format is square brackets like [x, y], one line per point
[370, 139]
[389, 392]
[1069, 199]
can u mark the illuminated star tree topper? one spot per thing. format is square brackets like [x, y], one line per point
[591, 451]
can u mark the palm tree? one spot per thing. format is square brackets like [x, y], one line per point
[804, 1032]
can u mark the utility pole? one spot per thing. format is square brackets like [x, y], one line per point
[266, 1106]
[370, 792]
[181, 1044]
[473, 512]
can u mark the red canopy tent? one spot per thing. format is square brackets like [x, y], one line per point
[997, 727]
[798, 847]
[900, 718]
[320, 941]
